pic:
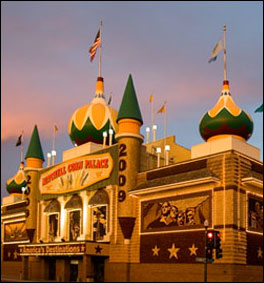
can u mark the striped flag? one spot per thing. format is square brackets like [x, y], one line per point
[95, 45]
[217, 49]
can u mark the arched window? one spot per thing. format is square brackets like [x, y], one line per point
[74, 207]
[99, 205]
[53, 212]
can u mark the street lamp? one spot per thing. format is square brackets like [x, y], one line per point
[23, 192]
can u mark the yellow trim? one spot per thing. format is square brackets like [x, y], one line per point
[99, 87]
[129, 126]
[224, 136]
[34, 162]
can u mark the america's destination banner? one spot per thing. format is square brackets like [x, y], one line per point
[76, 174]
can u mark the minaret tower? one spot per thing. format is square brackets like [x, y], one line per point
[34, 158]
[129, 139]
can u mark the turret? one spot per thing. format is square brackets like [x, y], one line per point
[129, 139]
[34, 158]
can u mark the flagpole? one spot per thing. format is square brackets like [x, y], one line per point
[165, 124]
[100, 50]
[152, 114]
[225, 76]
[22, 148]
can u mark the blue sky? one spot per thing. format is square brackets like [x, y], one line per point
[47, 74]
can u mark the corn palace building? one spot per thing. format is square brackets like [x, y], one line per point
[118, 209]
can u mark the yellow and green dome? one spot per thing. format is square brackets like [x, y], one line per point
[226, 118]
[88, 123]
[15, 184]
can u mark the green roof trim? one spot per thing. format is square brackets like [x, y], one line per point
[34, 148]
[129, 106]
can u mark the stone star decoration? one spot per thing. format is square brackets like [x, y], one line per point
[156, 251]
[259, 252]
[173, 251]
[98, 249]
[193, 250]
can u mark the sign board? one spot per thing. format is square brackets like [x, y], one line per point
[76, 174]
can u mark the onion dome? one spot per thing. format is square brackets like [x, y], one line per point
[88, 122]
[226, 118]
[15, 184]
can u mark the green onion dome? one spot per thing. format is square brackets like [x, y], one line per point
[88, 122]
[15, 184]
[226, 119]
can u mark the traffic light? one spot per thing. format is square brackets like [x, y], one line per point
[217, 244]
[209, 244]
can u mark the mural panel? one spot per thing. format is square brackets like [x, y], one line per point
[15, 232]
[11, 253]
[255, 213]
[176, 213]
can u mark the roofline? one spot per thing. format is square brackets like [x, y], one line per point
[175, 185]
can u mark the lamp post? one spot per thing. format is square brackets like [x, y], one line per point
[167, 149]
[23, 192]
[110, 136]
[104, 140]
[49, 156]
[147, 130]
[158, 153]
[53, 153]
[154, 128]
[205, 248]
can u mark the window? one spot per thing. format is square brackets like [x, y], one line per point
[53, 230]
[99, 222]
[74, 224]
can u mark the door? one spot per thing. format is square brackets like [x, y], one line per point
[98, 262]
[52, 268]
[73, 271]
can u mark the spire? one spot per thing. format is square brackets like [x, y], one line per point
[129, 106]
[34, 148]
[99, 91]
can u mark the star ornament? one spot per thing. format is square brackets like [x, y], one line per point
[260, 252]
[98, 249]
[193, 250]
[156, 251]
[173, 251]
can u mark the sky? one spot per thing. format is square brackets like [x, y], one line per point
[46, 73]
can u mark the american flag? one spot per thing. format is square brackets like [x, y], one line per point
[95, 45]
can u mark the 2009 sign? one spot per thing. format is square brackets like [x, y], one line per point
[122, 167]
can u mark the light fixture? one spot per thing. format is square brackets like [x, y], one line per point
[167, 147]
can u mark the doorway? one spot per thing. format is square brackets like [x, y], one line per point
[98, 262]
[73, 271]
[52, 268]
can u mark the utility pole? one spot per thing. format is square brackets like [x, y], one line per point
[205, 248]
